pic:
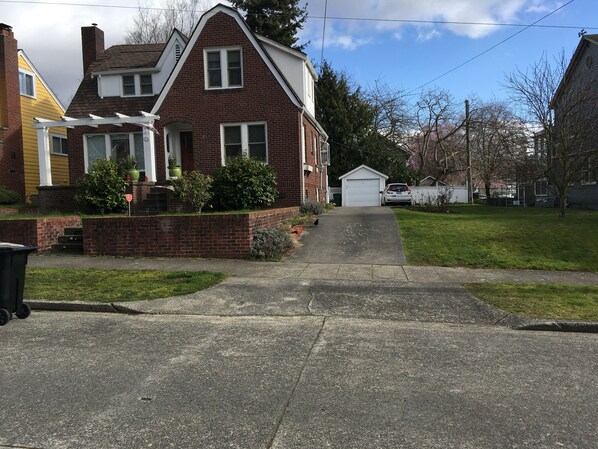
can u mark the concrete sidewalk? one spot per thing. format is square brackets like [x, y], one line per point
[310, 271]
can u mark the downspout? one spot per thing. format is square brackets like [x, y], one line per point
[302, 142]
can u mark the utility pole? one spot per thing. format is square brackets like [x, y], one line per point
[468, 149]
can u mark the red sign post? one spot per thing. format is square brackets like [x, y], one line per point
[129, 198]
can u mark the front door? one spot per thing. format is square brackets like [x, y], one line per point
[187, 151]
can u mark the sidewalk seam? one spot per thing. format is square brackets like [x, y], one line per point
[292, 394]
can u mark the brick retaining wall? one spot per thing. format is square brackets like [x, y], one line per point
[211, 235]
[40, 232]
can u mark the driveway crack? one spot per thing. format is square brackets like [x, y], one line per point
[292, 394]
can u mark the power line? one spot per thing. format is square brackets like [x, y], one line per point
[325, 17]
[491, 48]
[323, 33]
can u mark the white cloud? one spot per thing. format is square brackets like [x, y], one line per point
[395, 13]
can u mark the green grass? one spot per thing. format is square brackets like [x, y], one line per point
[495, 237]
[562, 302]
[107, 286]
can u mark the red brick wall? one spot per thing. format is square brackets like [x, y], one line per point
[12, 172]
[315, 182]
[41, 232]
[57, 199]
[226, 236]
[261, 99]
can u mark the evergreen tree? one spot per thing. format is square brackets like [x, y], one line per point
[279, 20]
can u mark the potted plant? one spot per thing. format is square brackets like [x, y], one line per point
[130, 165]
[174, 169]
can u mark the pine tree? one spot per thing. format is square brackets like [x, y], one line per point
[279, 20]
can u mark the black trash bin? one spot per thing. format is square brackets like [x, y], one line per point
[13, 261]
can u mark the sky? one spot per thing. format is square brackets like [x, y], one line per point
[405, 44]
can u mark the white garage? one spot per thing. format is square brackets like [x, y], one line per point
[362, 186]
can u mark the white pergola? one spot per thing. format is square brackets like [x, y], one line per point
[145, 121]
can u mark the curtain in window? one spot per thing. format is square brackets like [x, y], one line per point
[96, 149]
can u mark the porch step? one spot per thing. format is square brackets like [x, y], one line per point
[154, 203]
[70, 242]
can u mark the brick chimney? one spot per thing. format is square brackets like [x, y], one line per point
[92, 40]
[12, 174]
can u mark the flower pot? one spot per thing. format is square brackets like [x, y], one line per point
[174, 172]
[133, 173]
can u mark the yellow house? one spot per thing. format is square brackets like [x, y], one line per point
[38, 100]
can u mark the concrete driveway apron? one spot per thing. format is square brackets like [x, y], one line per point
[353, 235]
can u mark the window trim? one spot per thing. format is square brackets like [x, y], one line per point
[136, 84]
[545, 181]
[224, 68]
[59, 136]
[33, 83]
[244, 139]
[108, 147]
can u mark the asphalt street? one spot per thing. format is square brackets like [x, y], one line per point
[77, 380]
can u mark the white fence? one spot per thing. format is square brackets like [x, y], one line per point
[427, 195]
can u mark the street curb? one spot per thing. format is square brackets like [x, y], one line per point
[559, 326]
[511, 321]
[59, 306]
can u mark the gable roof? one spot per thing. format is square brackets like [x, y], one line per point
[127, 57]
[41, 79]
[375, 172]
[586, 39]
[250, 36]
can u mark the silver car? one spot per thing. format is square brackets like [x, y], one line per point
[396, 193]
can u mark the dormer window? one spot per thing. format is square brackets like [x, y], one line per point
[136, 85]
[128, 85]
[146, 84]
[223, 68]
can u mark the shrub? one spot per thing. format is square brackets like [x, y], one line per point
[8, 196]
[193, 189]
[270, 244]
[311, 207]
[244, 183]
[103, 189]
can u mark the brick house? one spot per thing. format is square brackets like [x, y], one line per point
[223, 92]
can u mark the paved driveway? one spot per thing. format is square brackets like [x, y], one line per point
[357, 235]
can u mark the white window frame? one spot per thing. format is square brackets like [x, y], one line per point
[588, 175]
[108, 146]
[33, 83]
[547, 187]
[244, 139]
[137, 84]
[223, 67]
[59, 136]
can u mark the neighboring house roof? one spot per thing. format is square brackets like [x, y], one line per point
[363, 166]
[587, 39]
[41, 79]
[430, 181]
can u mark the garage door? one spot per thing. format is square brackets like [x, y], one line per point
[363, 192]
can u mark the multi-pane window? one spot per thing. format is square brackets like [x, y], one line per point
[588, 174]
[59, 145]
[129, 85]
[27, 83]
[115, 146]
[146, 85]
[247, 140]
[224, 68]
[541, 188]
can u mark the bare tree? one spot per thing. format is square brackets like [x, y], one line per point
[498, 140]
[154, 25]
[564, 104]
[437, 142]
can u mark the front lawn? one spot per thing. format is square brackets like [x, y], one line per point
[498, 237]
[560, 302]
[58, 284]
